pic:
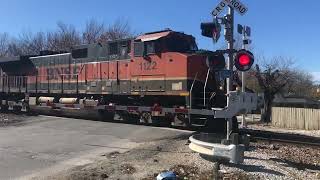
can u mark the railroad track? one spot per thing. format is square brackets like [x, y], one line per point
[258, 135]
[117, 119]
[298, 139]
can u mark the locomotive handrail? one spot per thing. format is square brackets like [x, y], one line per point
[15, 82]
[46, 78]
[204, 88]
[191, 88]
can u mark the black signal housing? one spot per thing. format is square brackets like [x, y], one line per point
[209, 29]
[243, 60]
[216, 62]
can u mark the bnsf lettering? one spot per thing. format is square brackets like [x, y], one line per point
[57, 73]
[75, 72]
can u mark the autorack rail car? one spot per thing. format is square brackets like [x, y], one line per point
[158, 76]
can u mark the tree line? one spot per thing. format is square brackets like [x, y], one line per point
[63, 37]
[277, 76]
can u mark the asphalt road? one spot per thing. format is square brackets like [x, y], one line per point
[43, 145]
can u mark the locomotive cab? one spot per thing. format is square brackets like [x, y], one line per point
[163, 41]
[167, 62]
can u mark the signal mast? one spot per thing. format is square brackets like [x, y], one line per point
[242, 59]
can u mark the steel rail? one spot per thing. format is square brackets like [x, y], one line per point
[282, 137]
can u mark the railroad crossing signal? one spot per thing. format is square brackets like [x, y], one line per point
[235, 4]
[245, 30]
[216, 62]
[211, 30]
[243, 60]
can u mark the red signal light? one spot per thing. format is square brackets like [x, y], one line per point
[244, 60]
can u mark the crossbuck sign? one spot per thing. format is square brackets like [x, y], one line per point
[235, 4]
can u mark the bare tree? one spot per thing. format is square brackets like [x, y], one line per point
[30, 44]
[93, 31]
[302, 84]
[13, 48]
[118, 30]
[39, 42]
[273, 77]
[63, 38]
[4, 42]
[24, 42]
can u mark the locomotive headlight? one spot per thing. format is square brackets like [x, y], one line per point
[177, 86]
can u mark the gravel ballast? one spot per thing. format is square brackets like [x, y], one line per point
[262, 161]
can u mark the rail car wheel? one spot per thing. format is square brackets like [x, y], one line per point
[146, 118]
[128, 118]
[105, 115]
[180, 120]
[4, 108]
[31, 112]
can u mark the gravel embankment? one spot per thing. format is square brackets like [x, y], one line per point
[279, 161]
[144, 162]
[263, 161]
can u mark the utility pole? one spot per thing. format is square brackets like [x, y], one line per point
[246, 32]
[243, 78]
[229, 37]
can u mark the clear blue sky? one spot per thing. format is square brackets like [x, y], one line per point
[286, 27]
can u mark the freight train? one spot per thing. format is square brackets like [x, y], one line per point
[157, 77]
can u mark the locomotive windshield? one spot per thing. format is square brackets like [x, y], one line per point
[164, 41]
[180, 44]
[146, 48]
[151, 47]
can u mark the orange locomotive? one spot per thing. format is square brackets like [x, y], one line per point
[163, 69]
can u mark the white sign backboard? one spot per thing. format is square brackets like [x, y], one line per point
[216, 11]
[237, 5]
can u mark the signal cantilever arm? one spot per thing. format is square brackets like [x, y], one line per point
[239, 102]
